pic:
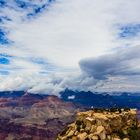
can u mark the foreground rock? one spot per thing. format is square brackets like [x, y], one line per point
[112, 124]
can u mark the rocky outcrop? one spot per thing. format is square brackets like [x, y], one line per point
[115, 124]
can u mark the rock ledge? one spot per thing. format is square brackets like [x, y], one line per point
[113, 124]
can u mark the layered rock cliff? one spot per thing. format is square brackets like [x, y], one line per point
[34, 117]
[113, 124]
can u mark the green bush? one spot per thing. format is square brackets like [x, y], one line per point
[133, 133]
[64, 131]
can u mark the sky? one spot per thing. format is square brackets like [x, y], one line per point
[47, 46]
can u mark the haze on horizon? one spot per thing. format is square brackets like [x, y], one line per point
[49, 45]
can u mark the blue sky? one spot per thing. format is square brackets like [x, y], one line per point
[129, 31]
[49, 45]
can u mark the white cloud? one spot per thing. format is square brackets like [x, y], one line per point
[71, 97]
[63, 34]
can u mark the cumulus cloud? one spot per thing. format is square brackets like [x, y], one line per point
[46, 84]
[122, 62]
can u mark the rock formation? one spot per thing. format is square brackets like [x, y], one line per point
[113, 124]
[34, 117]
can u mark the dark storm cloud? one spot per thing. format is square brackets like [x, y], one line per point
[122, 62]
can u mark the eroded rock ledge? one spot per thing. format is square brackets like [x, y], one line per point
[113, 124]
